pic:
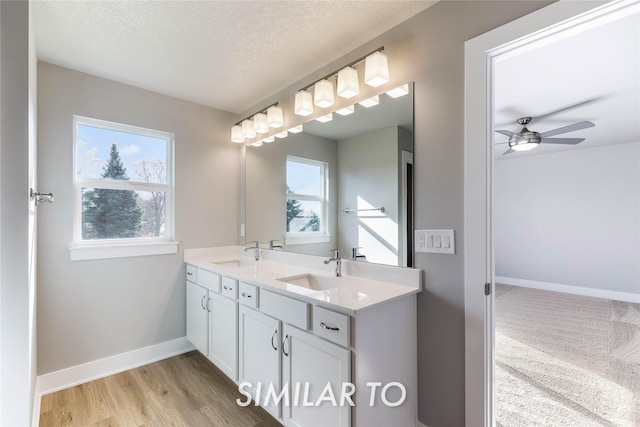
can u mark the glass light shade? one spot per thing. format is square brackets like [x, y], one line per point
[257, 144]
[236, 134]
[303, 105]
[370, 102]
[275, 117]
[260, 123]
[323, 94]
[348, 85]
[296, 129]
[269, 139]
[524, 146]
[346, 110]
[282, 134]
[376, 69]
[399, 91]
[248, 130]
[325, 118]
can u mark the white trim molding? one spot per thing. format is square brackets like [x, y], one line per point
[80, 374]
[103, 251]
[570, 289]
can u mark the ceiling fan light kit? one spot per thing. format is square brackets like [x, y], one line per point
[526, 139]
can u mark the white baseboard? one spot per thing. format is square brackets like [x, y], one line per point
[69, 377]
[570, 289]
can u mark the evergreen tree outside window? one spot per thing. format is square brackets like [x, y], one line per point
[306, 197]
[123, 183]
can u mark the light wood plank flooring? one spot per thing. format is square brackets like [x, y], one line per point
[186, 390]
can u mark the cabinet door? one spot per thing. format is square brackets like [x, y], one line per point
[223, 334]
[259, 351]
[309, 361]
[197, 316]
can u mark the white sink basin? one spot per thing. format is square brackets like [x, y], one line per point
[313, 281]
[236, 263]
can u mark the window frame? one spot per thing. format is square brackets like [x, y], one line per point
[122, 247]
[310, 237]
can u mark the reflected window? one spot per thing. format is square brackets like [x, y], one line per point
[306, 196]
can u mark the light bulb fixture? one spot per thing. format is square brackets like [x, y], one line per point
[260, 123]
[236, 134]
[303, 105]
[376, 69]
[370, 102]
[348, 85]
[326, 118]
[323, 94]
[296, 129]
[275, 117]
[346, 110]
[269, 139]
[399, 91]
[248, 131]
[282, 134]
[257, 144]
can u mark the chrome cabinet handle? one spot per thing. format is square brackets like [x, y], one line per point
[202, 302]
[329, 328]
[226, 288]
[286, 338]
[272, 338]
[189, 273]
[245, 295]
[208, 308]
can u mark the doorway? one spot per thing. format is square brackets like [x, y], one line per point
[545, 26]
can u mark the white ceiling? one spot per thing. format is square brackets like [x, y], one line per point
[593, 75]
[224, 54]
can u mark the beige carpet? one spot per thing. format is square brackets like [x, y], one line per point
[566, 360]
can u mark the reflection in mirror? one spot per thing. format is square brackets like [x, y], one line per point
[346, 184]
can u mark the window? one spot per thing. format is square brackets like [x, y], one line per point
[123, 187]
[306, 201]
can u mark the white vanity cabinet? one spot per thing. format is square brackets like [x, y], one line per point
[311, 363]
[259, 355]
[223, 334]
[197, 316]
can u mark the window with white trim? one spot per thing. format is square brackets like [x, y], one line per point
[123, 190]
[307, 196]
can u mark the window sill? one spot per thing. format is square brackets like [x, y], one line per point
[306, 240]
[121, 250]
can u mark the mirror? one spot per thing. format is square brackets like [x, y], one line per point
[346, 184]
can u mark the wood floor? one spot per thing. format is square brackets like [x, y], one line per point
[185, 390]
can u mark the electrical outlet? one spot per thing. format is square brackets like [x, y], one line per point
[435, 241]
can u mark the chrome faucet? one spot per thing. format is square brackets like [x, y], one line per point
[355, 255]
[256, 249]
[338, 260]
[273, 245]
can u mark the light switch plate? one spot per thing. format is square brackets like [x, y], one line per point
[435, 241]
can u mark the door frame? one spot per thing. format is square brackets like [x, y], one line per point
[559, 20]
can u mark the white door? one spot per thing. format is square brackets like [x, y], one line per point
[197, 317]
[259, 352]
[223, 334]
[313, 363]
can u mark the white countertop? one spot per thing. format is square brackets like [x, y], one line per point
[356, 293]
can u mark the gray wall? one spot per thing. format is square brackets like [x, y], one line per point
[429, 50]
[570, 218]
[266, 182]
[89, 310]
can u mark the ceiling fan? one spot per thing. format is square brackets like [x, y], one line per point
[528, 140]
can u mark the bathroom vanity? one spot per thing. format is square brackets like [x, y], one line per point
[303, 343]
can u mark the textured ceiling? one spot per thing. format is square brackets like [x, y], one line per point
[593, 75]
[225, 54]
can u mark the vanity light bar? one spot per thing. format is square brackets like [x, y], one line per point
[260, 122]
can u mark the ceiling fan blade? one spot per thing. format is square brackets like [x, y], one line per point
[506, 133]
[509, 151]
[565, 129]
[572, 141]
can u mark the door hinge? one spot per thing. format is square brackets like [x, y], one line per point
[487, 288]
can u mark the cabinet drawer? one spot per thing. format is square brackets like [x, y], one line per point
[209, 280]
[333, 326]
[192, 273]
[248, 294]
[229, 287]
[287, 309]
